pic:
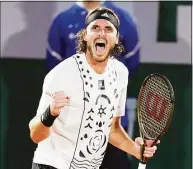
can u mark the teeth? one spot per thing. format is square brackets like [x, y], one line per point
[101, 41]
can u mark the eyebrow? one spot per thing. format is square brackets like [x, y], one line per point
[95, 26]
[108, 27]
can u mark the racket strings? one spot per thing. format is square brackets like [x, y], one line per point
[153, 122]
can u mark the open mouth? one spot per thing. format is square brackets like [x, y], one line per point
[100, 46]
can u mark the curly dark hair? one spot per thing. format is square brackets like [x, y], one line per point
[81, 45]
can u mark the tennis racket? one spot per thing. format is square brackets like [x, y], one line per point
[155, 110]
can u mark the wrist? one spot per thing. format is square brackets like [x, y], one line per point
[47, 118]
[137, 151]
[54, 111]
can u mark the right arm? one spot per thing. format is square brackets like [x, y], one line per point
[38, 132]
[48, 110]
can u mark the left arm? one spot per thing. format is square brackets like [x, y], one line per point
[120, 139]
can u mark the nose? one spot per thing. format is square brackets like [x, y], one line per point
[101, 33]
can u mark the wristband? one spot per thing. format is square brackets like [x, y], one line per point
[47, 119]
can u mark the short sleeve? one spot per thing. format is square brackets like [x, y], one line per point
[47, 92]
[123, 94]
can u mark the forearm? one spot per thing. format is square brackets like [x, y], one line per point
[38, 132]
[120, 139]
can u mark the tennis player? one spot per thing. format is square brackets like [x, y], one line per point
[61, 45]
[82, 101]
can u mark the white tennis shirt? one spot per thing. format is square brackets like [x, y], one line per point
[80, 133]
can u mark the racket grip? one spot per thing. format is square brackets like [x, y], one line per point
[141, 166]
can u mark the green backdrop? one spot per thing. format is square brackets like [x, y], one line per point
[21, 84]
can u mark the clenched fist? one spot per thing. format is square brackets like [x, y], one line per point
[149, 151]
[59, 100]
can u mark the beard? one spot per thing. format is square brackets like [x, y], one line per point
[89, 48]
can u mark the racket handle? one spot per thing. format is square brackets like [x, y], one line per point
[141, 166]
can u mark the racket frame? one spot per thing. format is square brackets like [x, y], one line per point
[141, 129]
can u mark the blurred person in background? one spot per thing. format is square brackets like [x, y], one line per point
[61, 45]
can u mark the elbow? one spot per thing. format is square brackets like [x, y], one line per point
[32, 133]
[36, 138]
[38, 135]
